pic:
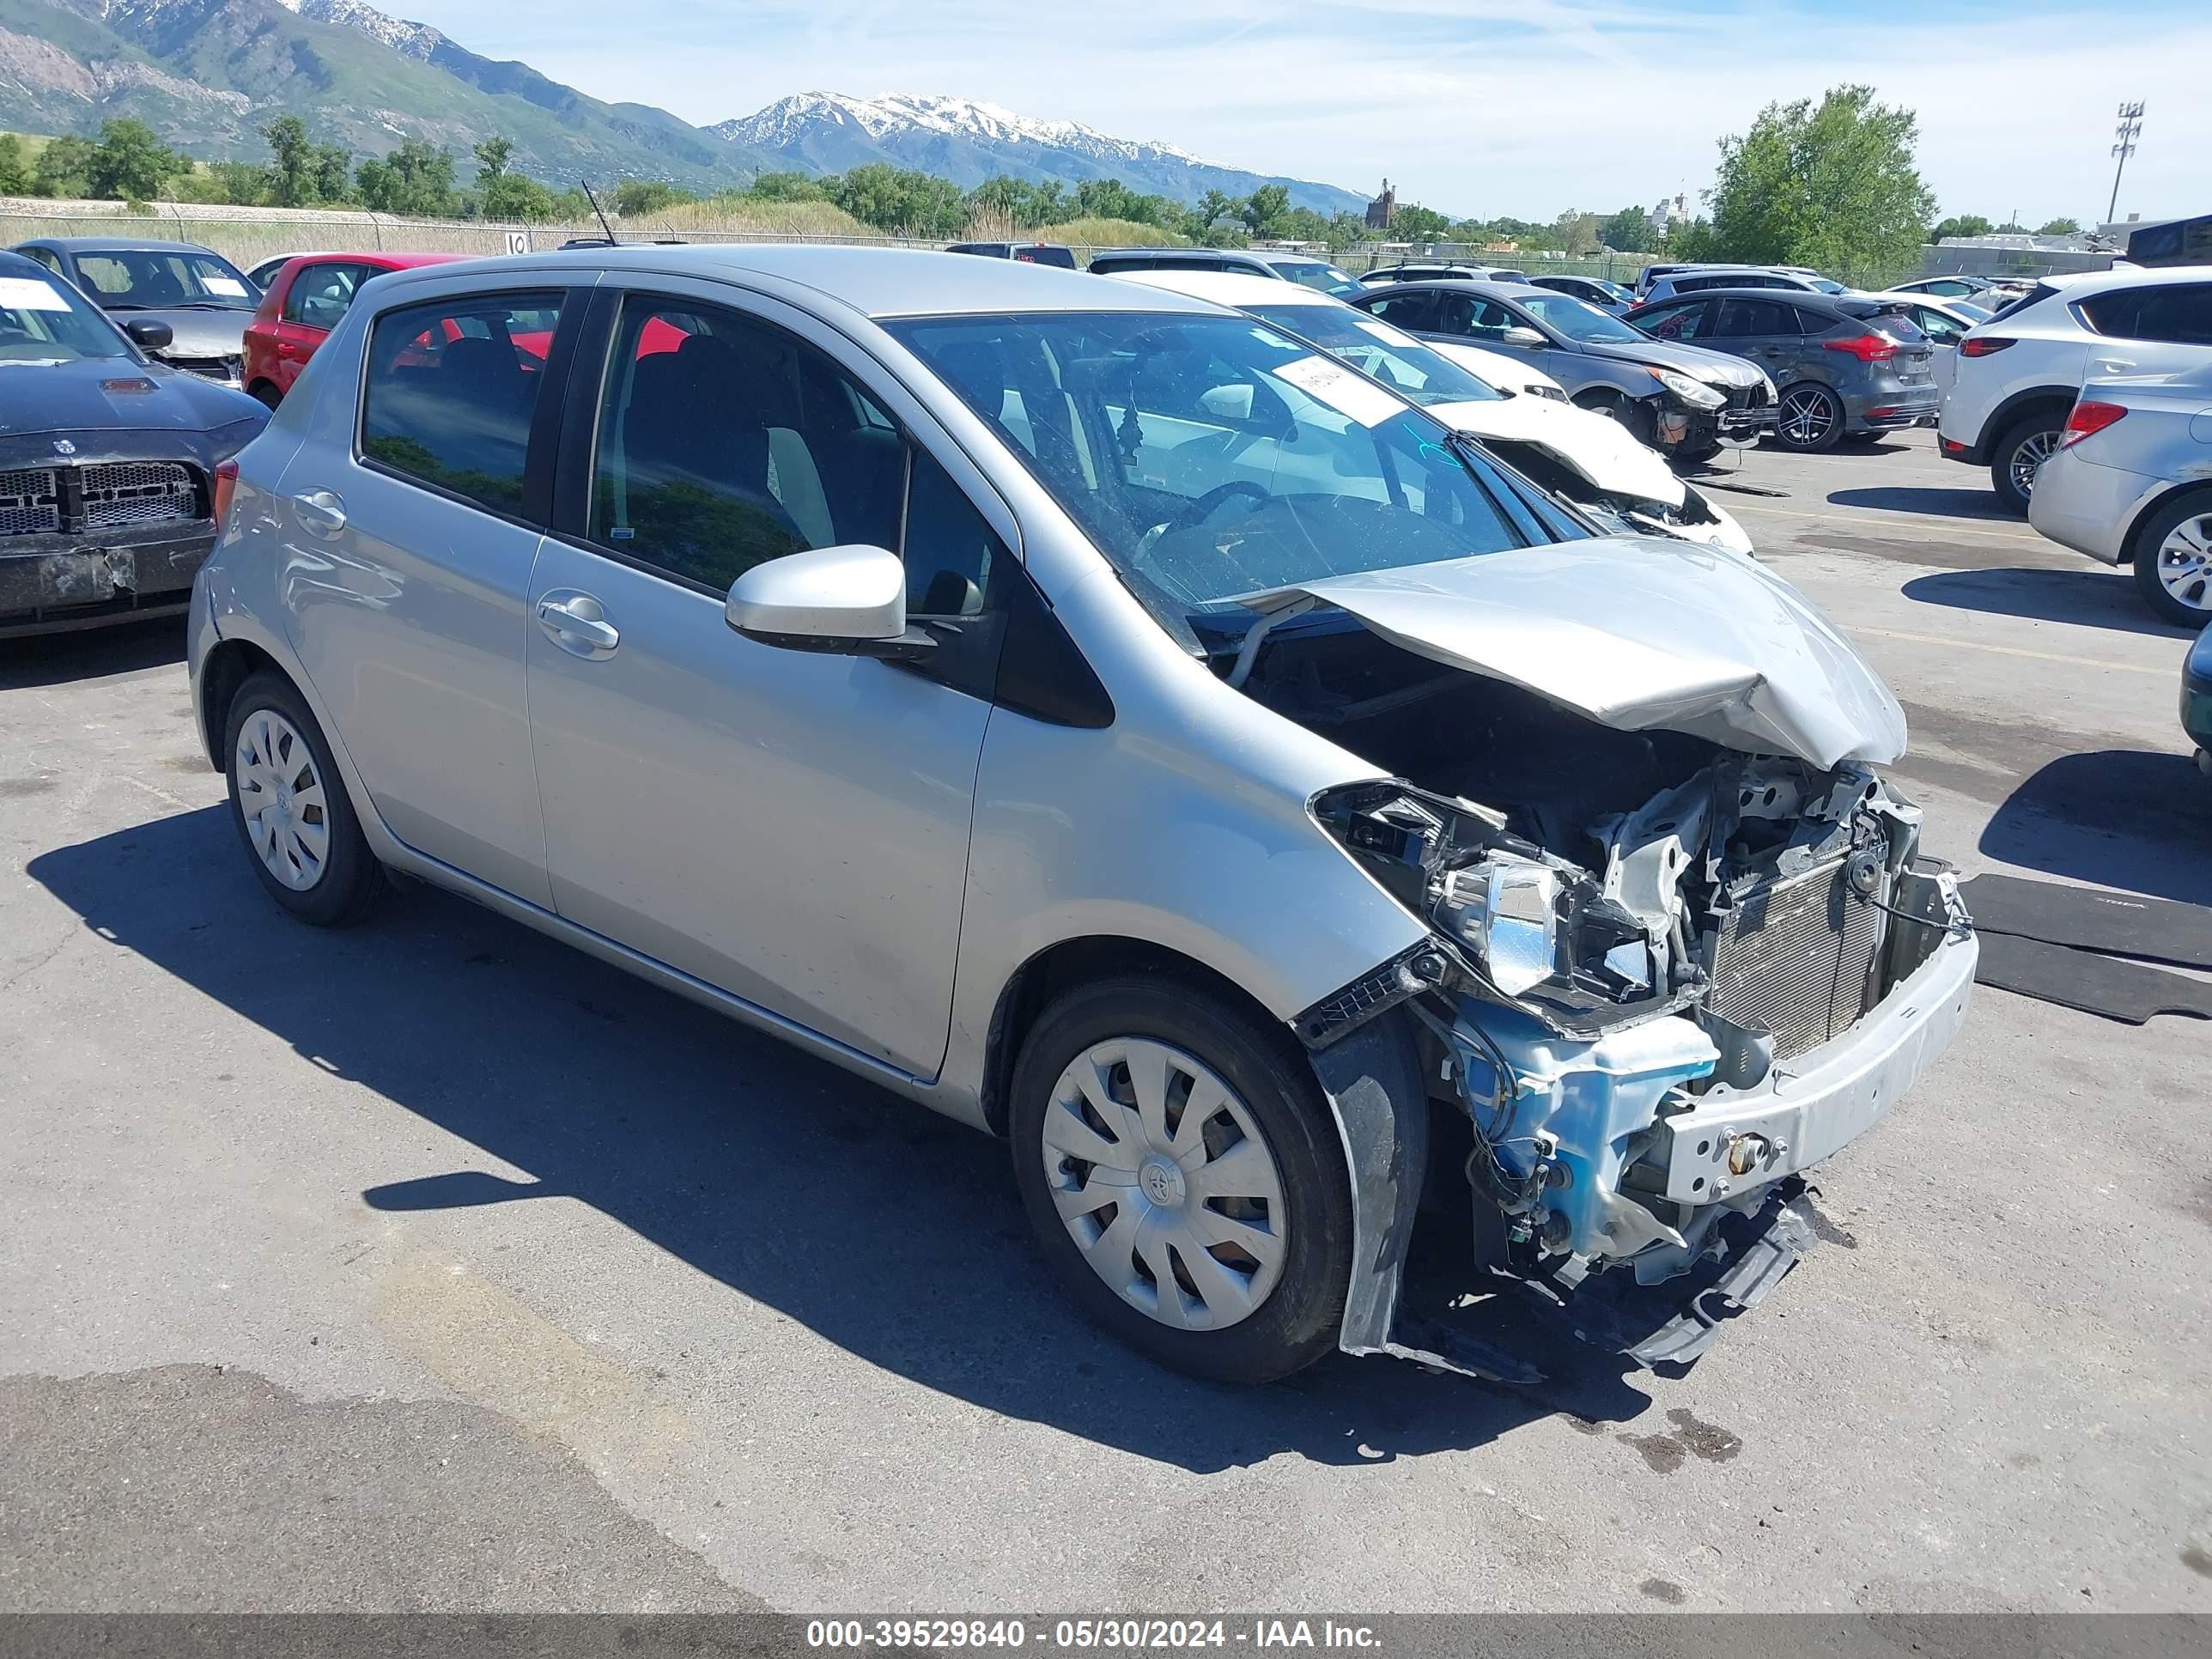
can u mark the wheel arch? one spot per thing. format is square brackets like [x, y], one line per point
[2031, 401]
[230, 665]
[2157, 504]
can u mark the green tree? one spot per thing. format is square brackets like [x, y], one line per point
[414, 180]
[1214, 207]
[1415, 223]
[791, 187]
[899, 199]
[292, 178]
[634, 196]
[2061, 227]
[492, 156]
[1628, 231]
[14, 171]
[245, 184]
[1832, 185]
[1264, 210]
[332, 166]
[130, 163]
[64, 167]
[516, 196]
[1960, 224]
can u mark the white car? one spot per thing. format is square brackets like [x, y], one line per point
[1592, 461]
[1506, 373]
[2016, 375]
[2131, 483]
[1945, 322]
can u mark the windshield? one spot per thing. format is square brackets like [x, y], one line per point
[1415, 372]
[1969, 310]
[1577, 319]
[144, 279]
[1212, 457]
[40, 322]
[1317, 274]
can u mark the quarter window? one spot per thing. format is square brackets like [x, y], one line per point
[452, 388]
[2180, 314]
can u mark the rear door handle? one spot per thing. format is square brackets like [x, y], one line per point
[578, 624]
[320, 511]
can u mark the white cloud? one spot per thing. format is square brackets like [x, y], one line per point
[1521, 107]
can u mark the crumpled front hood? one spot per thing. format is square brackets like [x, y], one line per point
[1643, 634]
[1602, 451]
[1715, 368]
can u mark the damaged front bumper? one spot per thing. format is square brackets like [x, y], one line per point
[56, 582]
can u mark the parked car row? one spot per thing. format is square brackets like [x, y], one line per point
[1144, 726]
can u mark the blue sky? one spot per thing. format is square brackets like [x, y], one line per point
[1490, 107]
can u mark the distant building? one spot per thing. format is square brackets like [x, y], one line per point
[1383, 208]
[1673, 208]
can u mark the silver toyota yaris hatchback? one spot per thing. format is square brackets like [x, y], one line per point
[1115, 723]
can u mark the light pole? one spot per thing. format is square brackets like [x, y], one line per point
[2130, 125]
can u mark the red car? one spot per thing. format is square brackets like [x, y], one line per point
[302, 305]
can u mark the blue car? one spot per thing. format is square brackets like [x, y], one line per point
[2196, 700]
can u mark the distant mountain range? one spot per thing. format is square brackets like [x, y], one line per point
[207, 75]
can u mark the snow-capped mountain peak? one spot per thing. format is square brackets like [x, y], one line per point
[415, 41]
[899, 115]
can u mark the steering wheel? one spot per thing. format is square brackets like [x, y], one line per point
[1206, 505]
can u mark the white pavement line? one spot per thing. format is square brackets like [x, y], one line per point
[2018, 651]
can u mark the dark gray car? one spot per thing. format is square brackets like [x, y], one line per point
[1844, 367]
[206, 300]
[1683, 400]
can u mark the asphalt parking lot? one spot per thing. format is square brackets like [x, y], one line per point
[434, 1265]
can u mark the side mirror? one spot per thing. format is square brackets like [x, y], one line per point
[847, 600]
[148, 334]
[1521, 335]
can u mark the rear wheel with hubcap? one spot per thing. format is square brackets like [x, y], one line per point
[1185, 1177]
[290, 808]
[1810, 419]
[2020, 455]
[2173, 561]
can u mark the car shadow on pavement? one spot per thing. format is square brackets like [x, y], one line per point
[2135, 820]
[2093, 598]
[887, 1230]
[1928, 501]
[91, 653]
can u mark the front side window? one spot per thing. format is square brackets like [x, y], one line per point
[148, 279]
[1682, 322]
[319, 294]
[451, 389]
[1471, 315]
[723, 443]
[1210, 458]
[1405, 310]
[42, 322]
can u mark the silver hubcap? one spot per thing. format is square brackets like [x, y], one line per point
[2184, 562]
[2028, 459]
[1166, 1183]
[279, 794]
[1807, 416]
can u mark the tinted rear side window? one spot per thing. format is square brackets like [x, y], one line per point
[452, 388]
[2179, 315]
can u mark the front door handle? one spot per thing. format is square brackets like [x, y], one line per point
[578, 624]
[320, 511]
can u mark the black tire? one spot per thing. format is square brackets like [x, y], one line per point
[2171, 607]
[1864, 440]
[1298, 1321]
[1695, 454]
[351, 881]
[1824, 427]
[1636, 416]
[2043, 428]
[267, 393]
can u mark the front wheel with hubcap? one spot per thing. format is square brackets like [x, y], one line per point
[2173, 561]
[1810, 419]
[290, 807]
[1184, 1177]
[2020, 455]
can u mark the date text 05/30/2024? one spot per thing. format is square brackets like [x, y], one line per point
[1090, 1634]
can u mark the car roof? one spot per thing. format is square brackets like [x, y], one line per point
[875, 281]
[1154, 250]
[118, 244]
[1234, 289]
[1794, 296]
[1480, 285]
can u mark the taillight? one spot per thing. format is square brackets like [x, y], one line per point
[1981, 345]
[1867, 348]
[226, 486]
[2089, 419]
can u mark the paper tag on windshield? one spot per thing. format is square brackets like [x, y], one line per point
[229, 285]
[29, 293]
[1342, 390]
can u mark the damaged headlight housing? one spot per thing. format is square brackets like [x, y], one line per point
[1696, 393]
[1505, 909]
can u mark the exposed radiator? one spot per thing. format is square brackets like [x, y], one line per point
[1797, 958]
